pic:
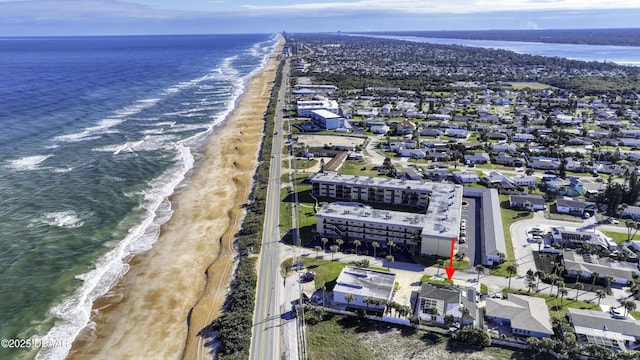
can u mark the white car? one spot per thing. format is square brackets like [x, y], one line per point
[617, 313]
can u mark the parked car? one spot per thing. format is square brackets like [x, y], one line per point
[617, 312]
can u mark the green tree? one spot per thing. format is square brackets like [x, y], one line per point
[391, 245]
[632, 229]
[594, 277]
[440, 265]
[318, 248]
[334, 250]
[579, 286]
[598, 352]
[539, 275]
[375, 245]
[459, 256]
[562, 291]
[479, 270]
[474, 336]
[390, 259]
[629, 305]
[600, 294]
[464, 312]
[530, 279]
[349, 298]
[356, 244]
[339, 242]
[324, 241]
[512, 269]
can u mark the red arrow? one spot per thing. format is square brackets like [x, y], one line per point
[451, 270]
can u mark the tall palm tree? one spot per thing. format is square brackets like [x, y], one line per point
[339, 242]
[562, 291]
[334, 250]
[464, 311]
[391, 245]
[600, 294]
[512, 269]
[553, 279]
[324, 243]
[357, 243]
[540, 275]
[440, 265]
[375, 245]
[318, 248]
[479, 270]
[539, 242]
[608, 279]
[594, 276]
[629, 305]
[390, 259]
[579, 286]
[530, 279]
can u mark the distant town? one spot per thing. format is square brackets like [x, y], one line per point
[476, 195]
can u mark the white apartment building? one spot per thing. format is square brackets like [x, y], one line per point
[431, 231]
[305, 107]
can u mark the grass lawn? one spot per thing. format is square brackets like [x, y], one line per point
[428, 279]
[305, 163]
[619, 237]
[327, 271]
[432, 261]
[305, 212]
[557, 306]
[354, 167]
[509, 216]
[330, 339]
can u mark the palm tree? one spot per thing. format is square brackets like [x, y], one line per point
[600, 294]
[608, 279]
[349, 298]
[530, 279]
[562, 291]
[324, 243]
[389, 260]
[357, 243]
[339, 242]
[479, 270]
[375, 245]
[553, 279]
[594, 276]
[629, 305]
[440, 265]
[502, 257]
[334, 250]
[318, 248]
[512, 269]
[540, 275]
[539, 242]
[391, 245]
[579, 286]
[464, 311]
[459, 256]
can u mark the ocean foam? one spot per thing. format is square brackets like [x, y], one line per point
[27, 163]
[66, 219]
[74, 313]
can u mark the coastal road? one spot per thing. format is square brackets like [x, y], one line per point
[266, 340]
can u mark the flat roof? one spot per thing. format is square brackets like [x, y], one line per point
[365, 282]
[325, 114]
[493, 240]
[364, 213]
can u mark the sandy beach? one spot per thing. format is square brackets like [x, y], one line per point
[185, 276]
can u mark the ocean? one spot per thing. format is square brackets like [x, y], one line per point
[97, 132]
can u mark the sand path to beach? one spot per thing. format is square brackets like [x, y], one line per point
[190, 267]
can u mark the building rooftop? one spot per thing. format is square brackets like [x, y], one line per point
[360, 212]
[604, 266]
[365, 282]
[524, 312]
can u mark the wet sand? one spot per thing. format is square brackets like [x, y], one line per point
[188, 271]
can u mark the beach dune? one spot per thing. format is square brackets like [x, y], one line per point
[179, 286]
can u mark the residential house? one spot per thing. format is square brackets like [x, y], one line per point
[630, 211]
[504, 148]
[465, 177]
[600, 328]
[525, 315]
[545, 164]
[575, 207]
[576, 238]
[457, 133]
[587, 264]
[435, 301]
[534, 202]
[363, 283]
[573, 187]
[497, 136]
[525, 180]
[406, 127]
[507, 160]
[477, 158]
[523, 137]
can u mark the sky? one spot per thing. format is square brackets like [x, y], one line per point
[120, 17]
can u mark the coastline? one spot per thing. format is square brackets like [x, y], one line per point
[186, 274]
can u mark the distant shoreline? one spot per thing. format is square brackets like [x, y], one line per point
[616, 37]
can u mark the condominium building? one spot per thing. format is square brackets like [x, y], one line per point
[430, 231]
